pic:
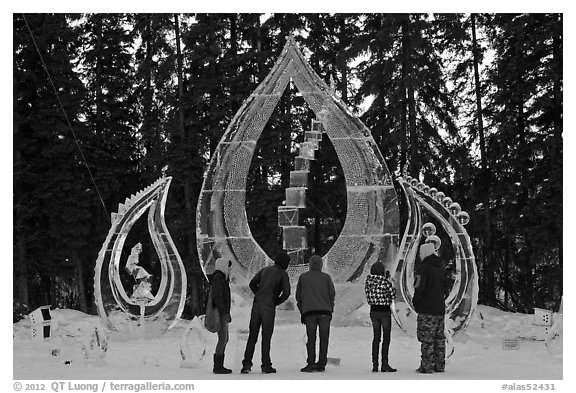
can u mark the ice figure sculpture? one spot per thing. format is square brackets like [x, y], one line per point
[372, 221]
[158, 312]
[142, 291]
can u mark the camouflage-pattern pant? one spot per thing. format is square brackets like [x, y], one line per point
[430, 332]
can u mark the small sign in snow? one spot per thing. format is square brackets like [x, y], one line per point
[511, 343]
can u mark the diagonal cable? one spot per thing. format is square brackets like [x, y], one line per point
[66, 117]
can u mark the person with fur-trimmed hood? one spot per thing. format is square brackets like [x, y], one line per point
[380, 293]
[315, 295]
[429, 303]
[221, 299]
[271, 287]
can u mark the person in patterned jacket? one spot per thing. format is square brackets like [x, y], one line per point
[380, 293]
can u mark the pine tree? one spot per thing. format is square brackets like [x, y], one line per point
[526, 153]
[51, 210]
[411, 103]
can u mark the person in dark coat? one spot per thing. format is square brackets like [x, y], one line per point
[315, 300]
[221, 300]
[380, 293]
[429, 303]
[271, 287]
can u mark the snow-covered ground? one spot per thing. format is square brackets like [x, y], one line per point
[479, 353]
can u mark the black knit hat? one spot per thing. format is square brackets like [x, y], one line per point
[282, 260]
[378, 269]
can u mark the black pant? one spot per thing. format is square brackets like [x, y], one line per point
[222, 339]
[381, 324]
[322, 322]
[262, 315]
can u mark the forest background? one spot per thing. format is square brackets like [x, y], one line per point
[469, 103]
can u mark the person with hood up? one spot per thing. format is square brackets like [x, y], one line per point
[271, 287]
[315, 299]
[380, 293]
[221, 300]
[429, 303]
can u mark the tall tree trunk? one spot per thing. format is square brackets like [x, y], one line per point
[342, 63]
[189, 214]
[196, 277]
[285, 136]
[490, 283]
[80, 282]
[180, 77]
[234, 101]
[414, 161]
[524, 156]
[148, 93]
[558, 99]
[343, 78]
[557, 61]
[404, 99]
[97, 81]
[408, 81]
[20, 262]
[213, 75]
[21, 269]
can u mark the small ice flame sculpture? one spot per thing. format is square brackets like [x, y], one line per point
[152, 314]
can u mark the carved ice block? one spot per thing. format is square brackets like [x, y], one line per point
[298, 178]
[312, 136]
[317, 125]
[296, 197]
[287, 216]
[294, 238]
[301, 164]
[307, 150]
[297, 256]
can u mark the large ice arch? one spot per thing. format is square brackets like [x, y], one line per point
[371, 227]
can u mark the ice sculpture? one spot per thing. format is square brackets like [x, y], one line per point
[193, 344]
[153, 313]
[372, 222]
[463, 297]
[142, 291]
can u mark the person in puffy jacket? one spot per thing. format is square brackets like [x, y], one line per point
[380, 293]
[429, 303]
[221, 300]
[271, 287]
[315, 300]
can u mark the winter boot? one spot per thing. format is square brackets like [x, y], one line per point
[386, 367]
[423, 370]
[268, 370]
[374, 360]
[219, 365]
[310, 368]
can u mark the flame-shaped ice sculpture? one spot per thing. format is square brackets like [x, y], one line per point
[111, 299]
[463, 296]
